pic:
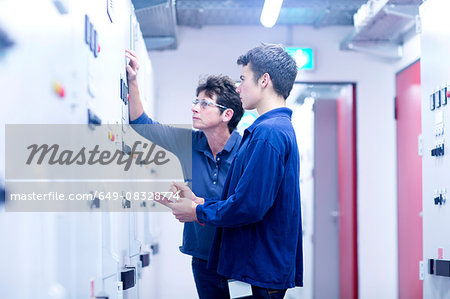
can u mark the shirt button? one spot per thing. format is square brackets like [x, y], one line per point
[214, 182]
[215, 174]
[218, 158]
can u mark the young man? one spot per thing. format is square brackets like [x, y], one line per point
[215, 113]
[259, 235]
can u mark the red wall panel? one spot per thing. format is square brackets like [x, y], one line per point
[348, 258]
[409, 165]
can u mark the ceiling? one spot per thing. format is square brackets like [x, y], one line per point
[317, 13]
[160, 19]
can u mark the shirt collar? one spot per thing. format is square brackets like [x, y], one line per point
[234, 138]
[203, 146]
[278, 112]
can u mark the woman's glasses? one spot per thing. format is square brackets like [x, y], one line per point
[205, 103]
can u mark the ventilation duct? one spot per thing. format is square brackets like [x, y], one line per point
[157, 19]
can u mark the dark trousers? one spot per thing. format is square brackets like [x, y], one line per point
[263, 293]
[211, 285]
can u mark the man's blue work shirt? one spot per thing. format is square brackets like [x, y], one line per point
[259, 235]
[206, 174]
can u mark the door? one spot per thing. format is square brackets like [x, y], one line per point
[327, 142]
[409, 168]
[326, 205]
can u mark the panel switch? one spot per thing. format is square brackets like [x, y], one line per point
[5, 41]
[439, 198]
[438, 99]
[145, 259]
[442, 268]
[93, 120]
[127, 277]
[432, 102]
[444, 96]
[87, 30]
[123, 91]
[431, 266]
[96, 47]
[438, 151]
[91, 36]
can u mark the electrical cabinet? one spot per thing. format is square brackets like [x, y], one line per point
[435, 80]
[63, 62]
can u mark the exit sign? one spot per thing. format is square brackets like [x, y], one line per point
[303, 56]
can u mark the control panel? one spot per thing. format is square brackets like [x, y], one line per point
[68, 66]
[435, 84]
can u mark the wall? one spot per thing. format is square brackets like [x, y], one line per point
[215, 50]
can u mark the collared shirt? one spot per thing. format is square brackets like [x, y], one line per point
[205, 175]
[259, 239]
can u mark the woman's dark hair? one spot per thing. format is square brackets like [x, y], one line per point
[225, 90]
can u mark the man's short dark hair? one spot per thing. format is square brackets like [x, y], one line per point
[225, 90]
[274, 60]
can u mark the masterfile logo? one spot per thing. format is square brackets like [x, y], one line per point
[95, 156]
[86, 168]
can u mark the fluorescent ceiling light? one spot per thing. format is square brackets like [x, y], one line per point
[270, 12]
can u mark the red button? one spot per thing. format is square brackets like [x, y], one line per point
[448, 94]
[59, 90]
[440, 253]
[98, 49]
